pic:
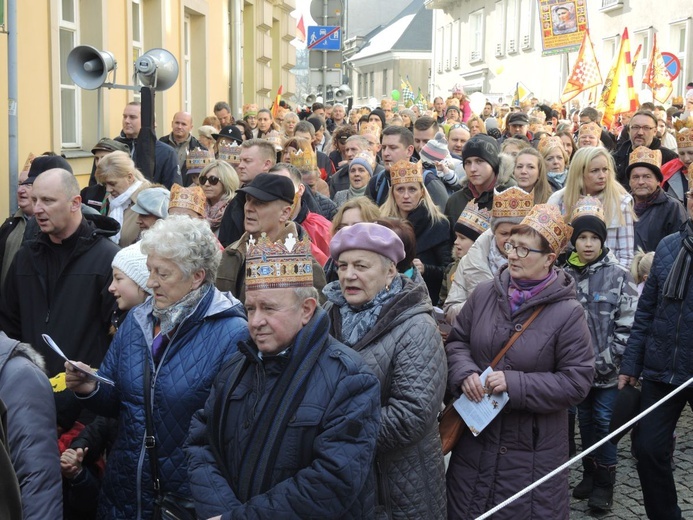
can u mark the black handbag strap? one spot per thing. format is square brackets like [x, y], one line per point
[149, 437]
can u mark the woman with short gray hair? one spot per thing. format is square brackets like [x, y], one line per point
[177, 339]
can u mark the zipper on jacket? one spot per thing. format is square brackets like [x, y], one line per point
[676, 349]
[48, 315]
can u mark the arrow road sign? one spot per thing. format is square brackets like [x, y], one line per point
[324, 38]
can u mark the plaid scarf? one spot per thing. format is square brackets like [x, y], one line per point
[677, 279]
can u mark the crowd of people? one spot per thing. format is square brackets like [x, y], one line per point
[266, 320]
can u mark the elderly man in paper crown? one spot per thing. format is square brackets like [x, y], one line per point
[290, 427]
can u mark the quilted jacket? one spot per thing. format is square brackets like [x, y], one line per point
[405, 350]
[609, 296]
[180, 386]
[324, 464]
[660, 347]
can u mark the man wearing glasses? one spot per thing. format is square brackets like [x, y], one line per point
[642, 132]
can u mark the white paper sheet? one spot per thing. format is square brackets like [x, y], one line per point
[478, 416]
[92, 375]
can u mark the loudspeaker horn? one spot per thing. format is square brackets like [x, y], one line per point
[310, 99]
[89, 67]
[343, 93]
[157, 68]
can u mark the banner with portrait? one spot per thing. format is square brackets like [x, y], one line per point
[563, 25]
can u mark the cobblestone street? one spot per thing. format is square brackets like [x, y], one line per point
[628, 502]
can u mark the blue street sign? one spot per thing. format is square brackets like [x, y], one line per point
[324, 38]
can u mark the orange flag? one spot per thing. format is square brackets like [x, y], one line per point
[618, 94]
[275, 105]
[585, 74]
[301, 30]
[656, 75]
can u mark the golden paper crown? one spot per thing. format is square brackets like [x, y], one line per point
[231, 153]
[197, 159]
[370, 128]
[451, 101]
[304, 160]
[677, 101]
[477, 219]
[546, 219]
[27, 163]
[274, 138]
[589, 206]
[366, 156]
[386, 103]
[690, 174]
[405, 171]
[250, 109]
[590, 128]
[192, 198]
[684, 132]
[642, 154]
[547, 142]
[273, 265]
[511, 203]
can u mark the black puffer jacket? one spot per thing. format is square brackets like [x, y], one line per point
[405, 350]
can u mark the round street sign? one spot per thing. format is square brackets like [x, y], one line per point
[672, 64]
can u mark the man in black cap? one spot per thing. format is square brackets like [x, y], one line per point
[659, 214]
[517, 125]
[268, 206]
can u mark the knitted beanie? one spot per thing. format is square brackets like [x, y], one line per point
[588, 223]
[484, 147]
[133, 263]
[435, 150]
[363, 162]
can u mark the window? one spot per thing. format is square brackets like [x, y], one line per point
[372, 86]
[137, 30]
[70, 94]
[187, 72]
[643, 38]
[513, 25]
[440, 46]
[527, 9]
[610, 49]
[679, 43]
[476, 24]
[385, 82]
[447, 32]
[455, 45]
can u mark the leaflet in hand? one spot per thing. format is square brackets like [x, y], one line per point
[92, 375]
[479, 415]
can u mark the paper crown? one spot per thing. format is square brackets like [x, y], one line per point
[250, 109]
[274, 138]
[643, 155]
[231, 153]
[684, 132]
[405, 171]
[276, 265]
[192, 198]
[304, 160]
[451, 101]
[511, 203]
[590, 128]
[588, 206]
[474, 219]
[690, 174]
[366, 156]
[546, 219]
[369, 128]
[547, 142]
[197, 159]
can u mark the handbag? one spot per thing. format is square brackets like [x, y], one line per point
[450, 423]
[167, 505]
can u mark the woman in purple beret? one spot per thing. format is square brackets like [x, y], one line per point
[387, 318]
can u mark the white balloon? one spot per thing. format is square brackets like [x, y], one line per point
[477, 101]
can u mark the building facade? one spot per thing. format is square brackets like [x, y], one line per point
[233, 50]
[490, 45]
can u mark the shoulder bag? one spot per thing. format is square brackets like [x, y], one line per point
[450, 424]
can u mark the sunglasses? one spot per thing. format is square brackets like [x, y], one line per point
[343, 138]
[204, 179]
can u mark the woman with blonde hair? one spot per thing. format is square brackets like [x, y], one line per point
[556, 158]
[219, 181]
[530, 174]
[288, 125]
[476, 125]
[409, 200]
[592, 172]
[117, 172]
[640, 268]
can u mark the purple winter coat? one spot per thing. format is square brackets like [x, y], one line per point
[548, 369]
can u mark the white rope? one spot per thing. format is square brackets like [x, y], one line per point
[584, 453]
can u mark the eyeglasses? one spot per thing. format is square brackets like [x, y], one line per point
[637, 128]
[520, 251]
[204, 179]
[343, 138]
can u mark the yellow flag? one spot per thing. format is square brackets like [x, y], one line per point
[618, 94]
[585, 73]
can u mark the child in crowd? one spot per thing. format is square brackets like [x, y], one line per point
[640, 268]
[82, 463]
[609, 297]
[471, 224]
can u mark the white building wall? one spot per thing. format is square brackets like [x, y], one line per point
[507, 47]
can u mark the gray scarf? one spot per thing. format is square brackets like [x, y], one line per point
[496, 260]
[357, 322]
[173, 315]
